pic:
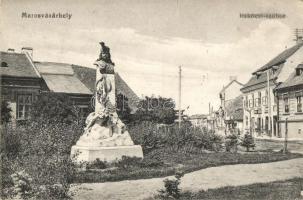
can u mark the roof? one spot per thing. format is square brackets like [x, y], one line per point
[293, 80]
[60, 77]
[234, 109]
[282, 57]
[88, 77]
[260, 81]
[231, 82]
[54, 68]
[18, 65]
[65, 84]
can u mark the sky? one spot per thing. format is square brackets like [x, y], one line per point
[149, 40]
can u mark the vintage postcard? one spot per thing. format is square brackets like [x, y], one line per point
[151, 99]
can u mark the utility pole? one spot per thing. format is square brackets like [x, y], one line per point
[269, 104]
[286, 135]
[180, 117]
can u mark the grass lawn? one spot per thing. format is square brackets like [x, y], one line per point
[166, 163]
[280, 190]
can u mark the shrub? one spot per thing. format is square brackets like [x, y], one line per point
[172, 189]
[22, 184]
[128, 162]
[231, 143]
[97, 164]
[159, 110]
[248, 142]
[56, 108]
[44, 153]
[186, 138]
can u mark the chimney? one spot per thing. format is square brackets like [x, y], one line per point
[28, 50]
[232, 78]
[10, 50]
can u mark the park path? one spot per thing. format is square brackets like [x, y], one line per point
[209, 178]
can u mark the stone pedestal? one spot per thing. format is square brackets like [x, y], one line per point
[109, 154]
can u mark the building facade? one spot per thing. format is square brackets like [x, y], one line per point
[290, 108]
[230, 92]
[23, 79]
[20, 82]
[229, 116]
[259, 98]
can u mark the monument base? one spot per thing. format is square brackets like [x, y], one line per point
[109, 154]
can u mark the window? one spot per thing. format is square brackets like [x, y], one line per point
[286, 103]
[264, 101]
[4, 64]
[299, 102]
[259, 98]
[24, 103]
[251, 102]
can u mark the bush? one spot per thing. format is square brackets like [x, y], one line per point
[97, 164]
[159, 110]
[186, 138]
[44, 154]
[172, 189]
[56, 108]
[248, 142]
[231, 143]
[128, 162]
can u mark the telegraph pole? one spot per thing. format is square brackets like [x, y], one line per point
[179, 116]
[269, 104]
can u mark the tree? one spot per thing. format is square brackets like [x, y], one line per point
[123, 109]
[5, 112]
[160, 110]
[54, 107]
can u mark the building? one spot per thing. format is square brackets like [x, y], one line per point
[234, 116]
[290, 96]
[228, 118]
[259, 100]
[23, 79]
[20, 82]
[230, 91]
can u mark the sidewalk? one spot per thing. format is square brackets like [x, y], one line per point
[214, 177]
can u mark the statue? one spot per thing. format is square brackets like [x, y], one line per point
[105, 54]
[103, 128]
